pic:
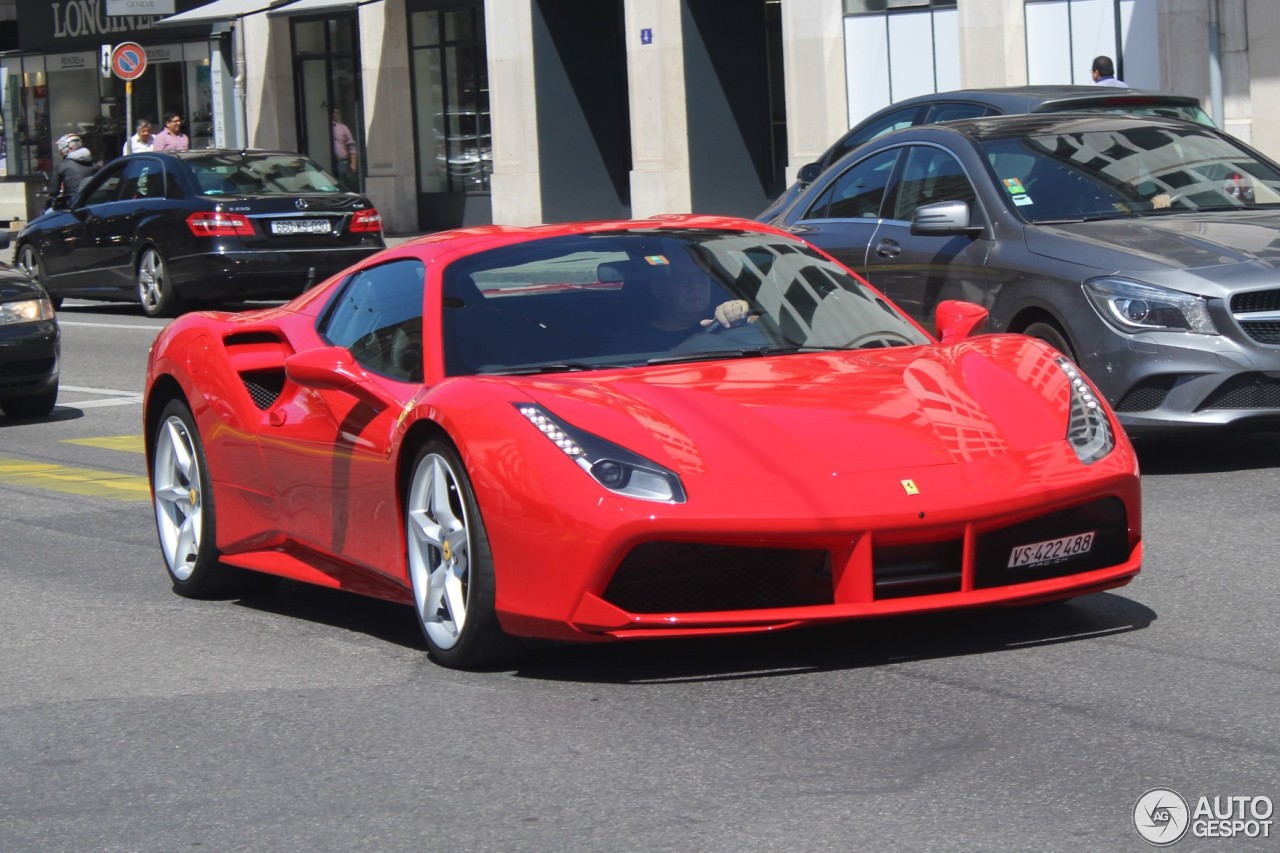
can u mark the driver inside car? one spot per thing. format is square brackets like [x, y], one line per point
[678, 306]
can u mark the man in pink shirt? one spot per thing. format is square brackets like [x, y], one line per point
[345, 152]
[171, 138]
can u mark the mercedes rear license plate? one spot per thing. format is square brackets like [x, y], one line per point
[300, 226]
[1052, 551]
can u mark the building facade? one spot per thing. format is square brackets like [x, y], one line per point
[524, 111]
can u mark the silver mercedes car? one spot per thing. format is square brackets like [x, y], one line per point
[1147, 249]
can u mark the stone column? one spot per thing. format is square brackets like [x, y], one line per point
[993, 43]
[659, 129]
[813, 61]
[516, 183]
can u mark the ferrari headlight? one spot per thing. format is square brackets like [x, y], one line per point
[25, 311]
[1088, 427]
[614, 467]
[1134, 307]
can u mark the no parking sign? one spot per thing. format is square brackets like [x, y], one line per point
[128, 60]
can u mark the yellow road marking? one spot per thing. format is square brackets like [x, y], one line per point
[127, 443]
[74, 481]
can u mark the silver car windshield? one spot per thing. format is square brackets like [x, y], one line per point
[653, 295]
[1138, 170]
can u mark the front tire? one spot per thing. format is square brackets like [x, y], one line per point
[1052, 336]
[183, 500]
[450, 565]
[155, 290]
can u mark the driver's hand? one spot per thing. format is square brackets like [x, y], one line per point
[731, 313]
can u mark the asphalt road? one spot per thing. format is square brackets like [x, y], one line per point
[304, 719]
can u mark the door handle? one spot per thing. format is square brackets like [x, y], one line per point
[888, 249]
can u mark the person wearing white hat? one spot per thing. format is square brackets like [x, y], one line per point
[76, 167]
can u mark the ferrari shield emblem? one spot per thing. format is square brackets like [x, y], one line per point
[909, 486]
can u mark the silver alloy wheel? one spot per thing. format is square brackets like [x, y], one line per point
[439, 543]
[29, 262]
[179, 492]
[151, 281]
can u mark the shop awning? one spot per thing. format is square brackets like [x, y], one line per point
[316, 7]
[218, 10]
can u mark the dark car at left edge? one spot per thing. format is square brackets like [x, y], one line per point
[176, 230]
[30, 347]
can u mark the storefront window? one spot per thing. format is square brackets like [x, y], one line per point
[451, 97]
[327, 74]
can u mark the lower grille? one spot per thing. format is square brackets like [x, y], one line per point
[678, 577]
[1247, 391]
[928, 568]
[1106, 517]
[18, 373]
[1147, 395]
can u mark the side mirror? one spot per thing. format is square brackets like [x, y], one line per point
[956, 320]
[60, 202]
[943, 219]
[808, 173]
[333, 369]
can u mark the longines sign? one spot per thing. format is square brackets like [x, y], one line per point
[53, 25]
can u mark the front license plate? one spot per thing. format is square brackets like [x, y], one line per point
[1052, 551]
[300, 226]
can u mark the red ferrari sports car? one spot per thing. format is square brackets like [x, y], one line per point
[661, 428]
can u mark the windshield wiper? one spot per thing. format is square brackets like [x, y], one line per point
[532, 369]
[1095, 217]
[713, 355]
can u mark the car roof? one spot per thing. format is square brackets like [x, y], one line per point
[1027, 124]
[1023, 99]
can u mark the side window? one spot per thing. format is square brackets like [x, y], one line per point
[895, 120]
[172, 184]
[858, 193]
[107, 187]
[953, 111]
[931, 175]
[377, 316]
[143, 179]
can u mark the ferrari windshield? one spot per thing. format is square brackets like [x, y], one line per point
[259, 173]
[655, 295]
[1135, 170]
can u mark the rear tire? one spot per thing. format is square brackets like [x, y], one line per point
[1053, 336]
[155, 291]
[450, 566]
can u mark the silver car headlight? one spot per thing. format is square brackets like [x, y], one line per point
[1134, 307]
[1088, 427]
[25, 311]
[612, 466]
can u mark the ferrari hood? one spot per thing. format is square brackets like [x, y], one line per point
[804, 416]
[1173, 241]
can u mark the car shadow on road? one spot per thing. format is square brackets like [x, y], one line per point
[848, 645]
[59, 413]
[1197, 454]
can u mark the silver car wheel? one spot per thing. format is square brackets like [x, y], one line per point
[439, 544]
[29, 262]
[151, 282]
[179, 497]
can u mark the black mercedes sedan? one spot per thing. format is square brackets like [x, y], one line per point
[1146, 249]
[30, 347]
[177, 229]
